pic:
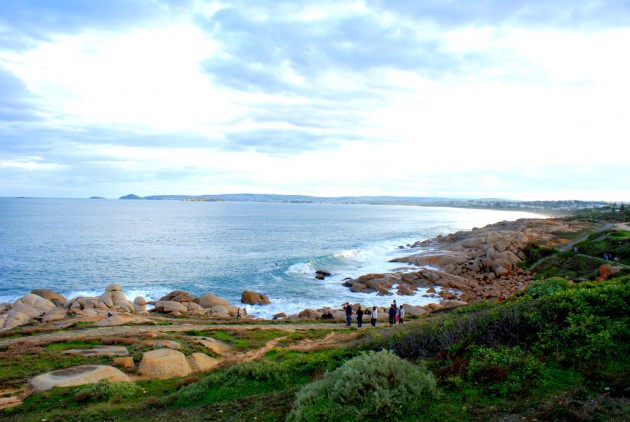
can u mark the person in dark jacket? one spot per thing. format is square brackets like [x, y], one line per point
[392, 314]
[359, 317]
[348, 313]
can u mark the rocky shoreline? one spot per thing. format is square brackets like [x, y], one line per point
[457, 269]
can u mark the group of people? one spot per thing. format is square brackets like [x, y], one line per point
[396, 314]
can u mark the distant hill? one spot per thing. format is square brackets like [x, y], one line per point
[131, 196]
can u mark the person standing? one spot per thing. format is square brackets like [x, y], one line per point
[392, 314]
[374, 316]
[238, 313]
[401, 314]
[348, 313]
[359, 317]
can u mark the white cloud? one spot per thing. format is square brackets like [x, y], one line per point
[148, 78]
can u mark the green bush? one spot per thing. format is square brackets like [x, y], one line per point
[372, 385]
[504, 371]
[259, 371]
[105, 390]
[546, 287]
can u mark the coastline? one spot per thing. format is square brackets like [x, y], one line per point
[450, 270]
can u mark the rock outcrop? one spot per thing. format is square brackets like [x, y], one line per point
[200, 362]
[54, 297]
[27, 309]
[78, 375]
[468, 265]
[253, 298]
[164, 363]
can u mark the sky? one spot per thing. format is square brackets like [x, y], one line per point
[514, 99]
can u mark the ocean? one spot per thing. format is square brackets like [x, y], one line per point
[78, 246]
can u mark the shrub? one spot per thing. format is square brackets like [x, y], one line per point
[504, 370]
[259, 371]
[546, 287]
[372, 385]
[105, 390]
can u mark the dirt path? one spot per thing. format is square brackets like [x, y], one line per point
[138, 330]
[571, 244]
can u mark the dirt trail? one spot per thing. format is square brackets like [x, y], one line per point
[126, 330]
[602, 228]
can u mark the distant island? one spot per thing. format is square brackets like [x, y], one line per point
[490, 203]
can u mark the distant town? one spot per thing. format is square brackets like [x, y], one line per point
[490, 203]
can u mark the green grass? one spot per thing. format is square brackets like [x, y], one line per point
[81, 344]
[245, 340]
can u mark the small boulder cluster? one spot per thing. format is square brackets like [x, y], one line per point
[180, 303]
[39, 305]
[112, 301]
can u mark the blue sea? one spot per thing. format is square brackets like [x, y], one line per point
[78, 246]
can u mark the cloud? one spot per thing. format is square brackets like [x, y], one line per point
[356, 97]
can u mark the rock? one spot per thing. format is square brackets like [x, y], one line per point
[14, 319]
[178, 296]
[219, 311]
[192, 306]
[121, 319]
[99, 351]
[118, 297]
[54, 315]
[78, 375]
[55, 298]
[164, 363]
[309, 314]
[200, 362]
[125, 362]
[124, 305]
[321, 274]
[36, 302]
[26, 310]
[414, 310]
[452, 303]
[405, 291]
[106, 299]
[164, 343]
[280, 315]
[358, 288]
[113, 288]
[339, 315]
[169, 307]
[214, 346]
[140, 304]
[209, 300]
[252, 298]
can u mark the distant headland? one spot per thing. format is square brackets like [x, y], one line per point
[490, 203]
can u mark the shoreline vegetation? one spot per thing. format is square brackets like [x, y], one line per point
[531, 323]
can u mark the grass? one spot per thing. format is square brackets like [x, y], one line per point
[242, 340]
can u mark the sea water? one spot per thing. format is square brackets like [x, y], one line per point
[78, 246]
